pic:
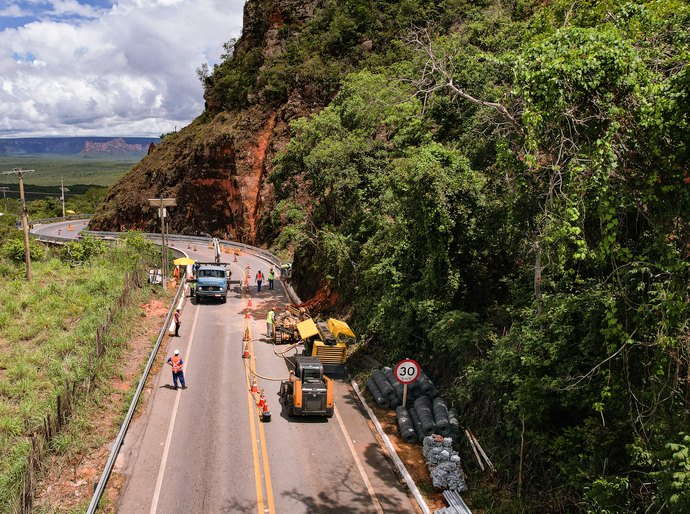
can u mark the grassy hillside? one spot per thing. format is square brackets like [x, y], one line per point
[47, 340]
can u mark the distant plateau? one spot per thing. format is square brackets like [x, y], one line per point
[77, 146]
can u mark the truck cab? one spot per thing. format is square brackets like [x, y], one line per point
[212, 281]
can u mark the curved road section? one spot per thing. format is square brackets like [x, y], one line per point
[205, 450]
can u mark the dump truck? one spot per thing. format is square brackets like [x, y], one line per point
[327, 341]
[212, 281]
[308, 392]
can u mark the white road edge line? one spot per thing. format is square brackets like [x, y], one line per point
[398, 463]
[363, 474]
[168, 439]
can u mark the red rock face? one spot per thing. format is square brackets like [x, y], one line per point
[217, 167]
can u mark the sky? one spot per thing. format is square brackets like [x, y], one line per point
[107, 67]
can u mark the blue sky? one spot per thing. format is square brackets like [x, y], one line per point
[102, 67]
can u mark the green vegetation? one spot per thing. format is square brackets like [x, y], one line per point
[47, 332]
[50, 169]
[504, 196]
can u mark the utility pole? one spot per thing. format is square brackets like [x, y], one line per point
[4, 195]
[25, 219]
[62, 195]
[162, 203]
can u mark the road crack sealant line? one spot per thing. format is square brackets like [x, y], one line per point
[100, 487]
[394, 455]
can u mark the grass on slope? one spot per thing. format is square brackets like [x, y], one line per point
[47, 331]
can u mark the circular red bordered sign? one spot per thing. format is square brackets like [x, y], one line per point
[406, 371]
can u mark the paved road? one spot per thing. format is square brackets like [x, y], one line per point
[204, 450]
[69, 229]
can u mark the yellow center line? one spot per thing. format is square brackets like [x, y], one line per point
[264, 455]
[255, 451]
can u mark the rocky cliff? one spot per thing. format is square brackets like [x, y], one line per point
[217, 166]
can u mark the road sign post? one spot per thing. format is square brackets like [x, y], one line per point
[406, 372]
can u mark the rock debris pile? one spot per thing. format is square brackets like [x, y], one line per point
[444, 463]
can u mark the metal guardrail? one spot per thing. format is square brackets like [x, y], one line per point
[273, 259]
[100, 487]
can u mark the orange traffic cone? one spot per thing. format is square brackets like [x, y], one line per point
[234, 258]
[246, 316]
[248, 266]
[245, 354]
[249, 303]
[266, 414]
[255, 387]
[246, 334]
[58, 232]
[189, 246]
[262, 399]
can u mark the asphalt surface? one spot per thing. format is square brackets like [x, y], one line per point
[205, 450]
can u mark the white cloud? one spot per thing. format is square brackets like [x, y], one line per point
[125, 70]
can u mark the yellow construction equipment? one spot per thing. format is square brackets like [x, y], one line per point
[328, 341]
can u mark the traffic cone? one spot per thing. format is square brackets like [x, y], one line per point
[255, 387]
[266, 414]
[262, 399]
[248, 266]
[195, 248]
[235, 258]
[245, 355]
[58, 232]
[172, 243]
[246, 316]
[249, 303]
[246, 334]
[189, 246]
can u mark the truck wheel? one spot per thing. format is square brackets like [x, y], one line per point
[198, 299]
[224, 299]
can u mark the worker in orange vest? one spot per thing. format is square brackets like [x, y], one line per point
[176, 274]
[259, 279]
[176, 362]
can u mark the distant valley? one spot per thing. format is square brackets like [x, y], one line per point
[77, 162]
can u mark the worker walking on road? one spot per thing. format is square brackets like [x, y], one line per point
[178, 322]
[270, 318]
[271, 277]
[176, 362]
[259, 278]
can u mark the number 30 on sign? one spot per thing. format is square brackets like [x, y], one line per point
[406, 371]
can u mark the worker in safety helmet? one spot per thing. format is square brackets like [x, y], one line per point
[177, 374]
[271, 278]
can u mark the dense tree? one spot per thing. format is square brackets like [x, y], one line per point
[505, 197]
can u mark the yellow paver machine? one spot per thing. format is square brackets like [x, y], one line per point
[328, 341]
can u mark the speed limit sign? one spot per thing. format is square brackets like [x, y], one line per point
[406, 371]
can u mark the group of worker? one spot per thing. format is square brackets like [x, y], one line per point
[176, 361]
[260, 278]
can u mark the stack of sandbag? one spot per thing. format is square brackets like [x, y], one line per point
[444, 464]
